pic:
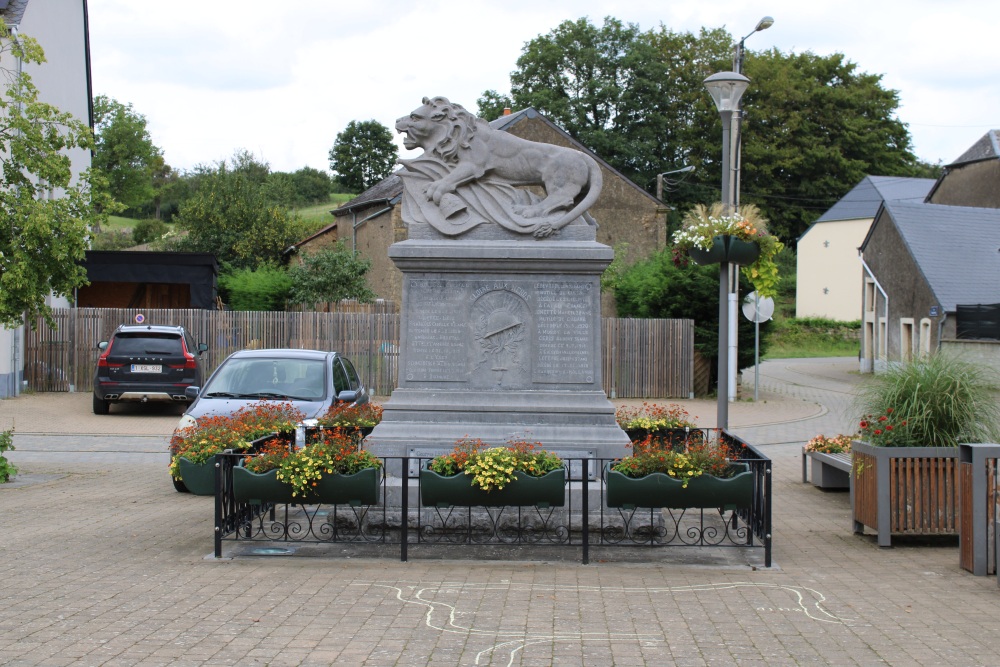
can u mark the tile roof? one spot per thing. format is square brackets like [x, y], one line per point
[956, 247]
[12, 11]
[987, 148]
[864, 199]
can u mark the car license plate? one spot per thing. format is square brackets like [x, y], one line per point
[146, 368]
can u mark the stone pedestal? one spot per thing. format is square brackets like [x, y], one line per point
[500, 339]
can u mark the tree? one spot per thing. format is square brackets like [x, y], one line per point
[229, 214]
[330, 275]
[124, 152]
[265, 288]
[815, 125]
[656, 287]
[363, 154]
[43, 238]
[312, 186]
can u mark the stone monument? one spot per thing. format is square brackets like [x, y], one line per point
[500, 331]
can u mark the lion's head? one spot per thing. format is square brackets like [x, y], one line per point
[442, 128]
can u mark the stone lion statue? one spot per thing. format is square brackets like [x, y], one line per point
[469, 173]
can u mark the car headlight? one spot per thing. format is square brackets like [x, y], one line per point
[186, 421]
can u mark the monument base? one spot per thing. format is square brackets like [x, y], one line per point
[500, 340]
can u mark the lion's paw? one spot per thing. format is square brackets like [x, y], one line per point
[543, 230]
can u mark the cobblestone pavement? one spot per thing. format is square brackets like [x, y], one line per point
[102, 563]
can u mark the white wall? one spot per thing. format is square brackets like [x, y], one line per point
[58, 27]
[828, 271]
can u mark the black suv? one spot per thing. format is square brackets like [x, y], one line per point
[145, 363]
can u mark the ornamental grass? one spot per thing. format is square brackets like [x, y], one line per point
[936, 401]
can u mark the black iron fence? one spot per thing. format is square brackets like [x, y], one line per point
[583, 521]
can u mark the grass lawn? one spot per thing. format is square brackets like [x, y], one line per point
[807, 338]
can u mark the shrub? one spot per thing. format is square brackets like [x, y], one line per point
[937, 401]
[148, 230]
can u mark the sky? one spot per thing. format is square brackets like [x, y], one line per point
[282, 79]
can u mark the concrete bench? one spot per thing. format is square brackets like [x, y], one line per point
[829, 471]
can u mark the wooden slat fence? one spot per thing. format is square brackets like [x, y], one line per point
[641, 358]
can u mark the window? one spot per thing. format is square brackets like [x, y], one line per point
[906, 339]
[925, 337]
[869, 296]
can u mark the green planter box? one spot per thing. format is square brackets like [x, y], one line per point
[549, 490]
[662, 490]
[361, 488]
[676, 438]
[258, 488]
[726, 249]
[199, 478]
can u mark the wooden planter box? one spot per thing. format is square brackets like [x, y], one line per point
[978, 464]
[904, 490]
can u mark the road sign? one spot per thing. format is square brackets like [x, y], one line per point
[758, 309]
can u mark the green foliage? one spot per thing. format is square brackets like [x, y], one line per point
[363, 154]
[312, 186]
[792, 338]
[112, 239]
[42, 239]
[230, 215]
[124, 151]
[7, 469]
[265, 288]
[658, 288]
[937, 401]
[148, 230]
[815, 125]
[330, 275]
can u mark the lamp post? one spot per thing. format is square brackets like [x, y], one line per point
[726, 89]
[737, 138]
[659, 179]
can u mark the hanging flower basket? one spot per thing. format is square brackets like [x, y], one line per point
[727, 249]
[709, 235]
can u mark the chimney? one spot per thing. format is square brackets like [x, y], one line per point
[506, 111]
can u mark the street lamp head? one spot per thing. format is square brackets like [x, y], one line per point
[726, 89]
[764, 24]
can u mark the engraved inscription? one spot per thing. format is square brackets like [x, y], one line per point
[437, 336]
[564, 316]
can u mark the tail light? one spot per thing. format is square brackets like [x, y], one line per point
[189, 360]
[102, 361]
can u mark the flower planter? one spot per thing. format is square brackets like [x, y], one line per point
[436, 490]
[361, 488]
[908, 490]
[199, 478]
[258, 488]
[677, 438]
[662, 490]
[726, 249]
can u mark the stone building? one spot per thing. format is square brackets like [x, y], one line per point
[629, 219]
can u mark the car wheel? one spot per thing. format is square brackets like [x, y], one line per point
[101, 407]
[179, 486]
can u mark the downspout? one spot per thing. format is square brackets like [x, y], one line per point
[355, 223]
[885, 297]
[90, 82]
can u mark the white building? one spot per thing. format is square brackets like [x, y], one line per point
[61, 28]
